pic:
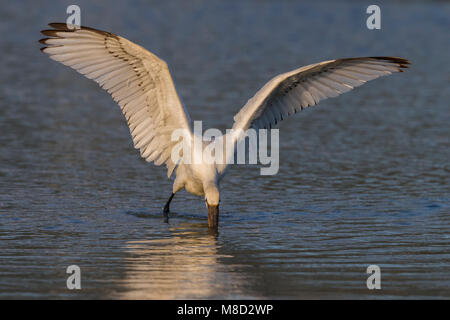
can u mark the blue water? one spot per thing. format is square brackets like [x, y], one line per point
[364, 178]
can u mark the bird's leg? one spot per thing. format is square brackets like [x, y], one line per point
[167, 207]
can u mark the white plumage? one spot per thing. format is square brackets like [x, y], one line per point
[136, 79]
[141, 84]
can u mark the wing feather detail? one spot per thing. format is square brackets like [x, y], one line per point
[289, 92]
[138, 81]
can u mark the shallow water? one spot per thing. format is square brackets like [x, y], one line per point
[364, 178]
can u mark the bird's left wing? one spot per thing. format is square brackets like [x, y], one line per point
[289, 92]
[137, 80]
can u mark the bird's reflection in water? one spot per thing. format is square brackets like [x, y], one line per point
[185, 265]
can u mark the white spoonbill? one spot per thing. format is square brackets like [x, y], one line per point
[141, 84]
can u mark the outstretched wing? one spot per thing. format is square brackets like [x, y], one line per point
[138, 81]
[290, 92]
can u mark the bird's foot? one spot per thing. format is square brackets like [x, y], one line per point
[166, 212]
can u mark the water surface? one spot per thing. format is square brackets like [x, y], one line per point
[364, 178]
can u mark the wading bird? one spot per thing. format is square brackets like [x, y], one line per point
[141, 84]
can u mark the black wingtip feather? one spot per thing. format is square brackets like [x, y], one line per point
[49, 33]
[403, 63]
[59, 26]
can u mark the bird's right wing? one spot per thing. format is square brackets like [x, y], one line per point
[137, 80]
[289, 92]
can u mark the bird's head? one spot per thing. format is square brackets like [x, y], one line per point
[212, 196]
